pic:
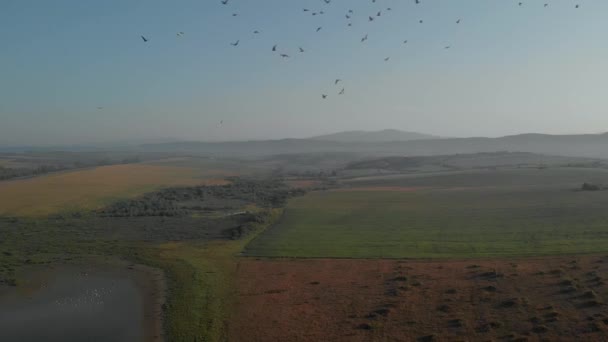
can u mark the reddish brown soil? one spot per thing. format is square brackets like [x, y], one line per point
[540, 299]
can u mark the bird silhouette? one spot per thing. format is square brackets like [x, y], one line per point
[224, 2]
[386, 59]
[144, 39]
[301, 50]
[337, 81]
[341, 92]
[319, 28]
[458, 21]
[179, 34]
[235, 43]
[284, 55]
[274, 48]
[364, 38]
[324, 96]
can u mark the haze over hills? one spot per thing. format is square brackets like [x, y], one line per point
[374, 136]
[365, 144]
[583, 145]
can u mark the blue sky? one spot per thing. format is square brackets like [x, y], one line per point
[509, 69]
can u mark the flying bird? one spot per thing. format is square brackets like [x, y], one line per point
[324, 96]
[284, 55]
[180, 33]
[144, 39]
[224, 2]
[405, 41]
[234, 14]
[99, 108]
[319, 28]
[274, 48]
[458, 21]
[447, 47]
[341, 92]
[256, 32]
[235, 43]
[301, 50]
[337, 81]
[364, 38]
[576, 6]
[386, 59]
[379, 14]
[371, 18]
[421, 21]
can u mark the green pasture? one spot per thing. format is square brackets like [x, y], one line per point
[482, 214]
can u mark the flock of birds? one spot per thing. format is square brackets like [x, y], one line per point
[349, 15]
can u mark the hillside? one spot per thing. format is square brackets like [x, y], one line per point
[469, 161]
[588, 145]
[374, 136]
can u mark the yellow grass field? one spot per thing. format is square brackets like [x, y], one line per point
[91, 189]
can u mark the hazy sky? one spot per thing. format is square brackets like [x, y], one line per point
[510, 69]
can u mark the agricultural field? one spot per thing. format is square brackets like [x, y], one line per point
[531, 299]
[525, 212]
[91, 188]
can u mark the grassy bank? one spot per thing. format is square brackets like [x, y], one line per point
[200, 283]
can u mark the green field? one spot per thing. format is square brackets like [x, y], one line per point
[474, 214]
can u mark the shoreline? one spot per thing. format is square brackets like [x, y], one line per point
[150, 283]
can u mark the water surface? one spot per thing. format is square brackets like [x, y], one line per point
[73, 305]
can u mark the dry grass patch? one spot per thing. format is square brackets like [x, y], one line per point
[90, 189]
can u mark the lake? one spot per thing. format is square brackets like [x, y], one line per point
[75, 304]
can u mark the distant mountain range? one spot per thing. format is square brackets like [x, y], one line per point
[584, 145]
[367, 144]
[374, 136]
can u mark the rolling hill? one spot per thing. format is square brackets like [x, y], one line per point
[374, 136]
[586, 145]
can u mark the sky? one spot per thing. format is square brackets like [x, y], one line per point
[510, 69]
